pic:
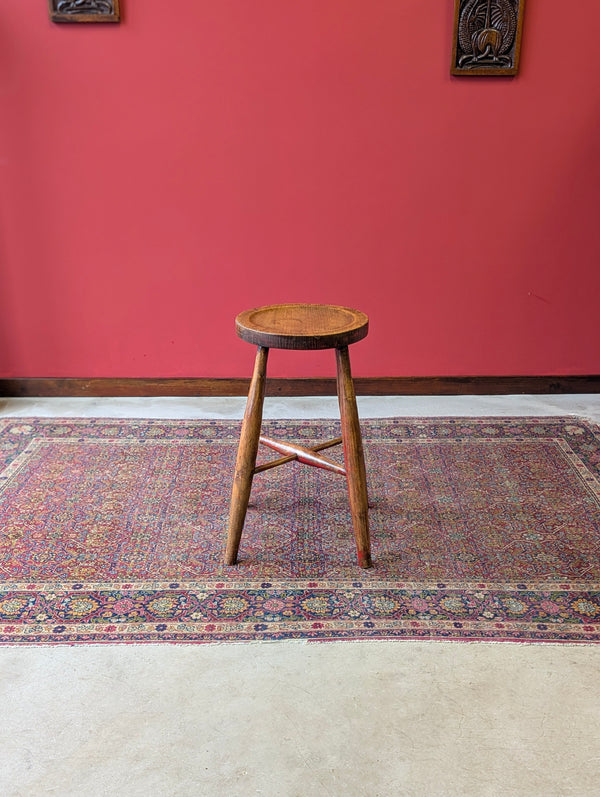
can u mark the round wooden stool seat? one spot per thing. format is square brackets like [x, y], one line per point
[302, 326]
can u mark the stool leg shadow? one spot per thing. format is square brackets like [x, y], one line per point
[246, 457]
[353, 457]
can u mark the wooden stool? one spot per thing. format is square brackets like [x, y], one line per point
[301, 326]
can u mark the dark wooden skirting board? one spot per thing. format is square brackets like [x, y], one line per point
[365, 386]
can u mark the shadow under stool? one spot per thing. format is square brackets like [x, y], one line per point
[301, 326]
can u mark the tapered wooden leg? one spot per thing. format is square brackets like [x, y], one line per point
[246, 457]
[354, 457]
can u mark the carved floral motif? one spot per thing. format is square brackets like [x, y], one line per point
[487, 36]
[85, 7]
[84, 10]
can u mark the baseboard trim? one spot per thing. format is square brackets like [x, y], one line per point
[365, 386]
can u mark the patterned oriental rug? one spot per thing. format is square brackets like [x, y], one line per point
[482, 529]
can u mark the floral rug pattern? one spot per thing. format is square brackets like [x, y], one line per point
[482, 529]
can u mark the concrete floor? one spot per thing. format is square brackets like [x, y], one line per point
[295, 719]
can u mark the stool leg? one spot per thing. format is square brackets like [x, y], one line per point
[246, 457]
[354, 457]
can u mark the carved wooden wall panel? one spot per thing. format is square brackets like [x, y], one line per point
[84, 10]
[487, 37]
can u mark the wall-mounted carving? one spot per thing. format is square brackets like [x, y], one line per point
[487, 37]
[84, 10]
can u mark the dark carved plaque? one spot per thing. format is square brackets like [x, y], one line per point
[84, 10]
[487, 37]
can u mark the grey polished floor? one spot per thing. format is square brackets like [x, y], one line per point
[292, 719]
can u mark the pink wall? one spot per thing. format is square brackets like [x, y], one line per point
[159, 176]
